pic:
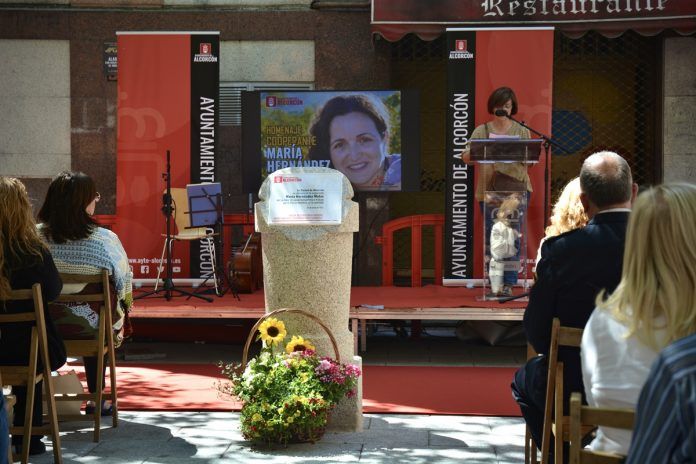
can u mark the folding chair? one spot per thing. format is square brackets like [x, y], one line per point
[97, 291]
[558, 425]
[608, 417]
[185, 232]
[26, 375]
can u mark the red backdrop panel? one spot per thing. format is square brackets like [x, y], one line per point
[522, 60]
[153, 117]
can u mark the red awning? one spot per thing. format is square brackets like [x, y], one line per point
[392, 19]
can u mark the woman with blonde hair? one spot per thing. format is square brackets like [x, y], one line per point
[567, 214]
[653, 305]
[24, 261]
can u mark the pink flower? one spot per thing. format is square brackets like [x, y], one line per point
[352, 370]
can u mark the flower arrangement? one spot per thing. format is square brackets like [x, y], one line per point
[288, 394]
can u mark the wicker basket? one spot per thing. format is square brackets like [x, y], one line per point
[250, 338]
[302, 435]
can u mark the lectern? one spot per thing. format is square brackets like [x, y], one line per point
[505, 150]
[504, 214]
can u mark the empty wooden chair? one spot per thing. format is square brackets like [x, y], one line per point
[96, 292]
[28, 376]
[185, 232]
[583, 416]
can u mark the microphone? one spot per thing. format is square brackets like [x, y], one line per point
[500, 112]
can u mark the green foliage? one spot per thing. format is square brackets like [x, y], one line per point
[288, 397]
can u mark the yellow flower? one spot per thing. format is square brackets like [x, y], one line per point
[272, 331]
[256, 417]
[298, 344]
[291, 420]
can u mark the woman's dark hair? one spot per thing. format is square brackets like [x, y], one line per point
[500, 97]
[63, 212]
[340, 106]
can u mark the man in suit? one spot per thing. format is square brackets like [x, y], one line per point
[574, 267]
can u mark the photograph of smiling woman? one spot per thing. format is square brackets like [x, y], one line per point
[352, 132]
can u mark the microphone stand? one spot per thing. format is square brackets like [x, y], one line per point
[548, 141]
[168, 282]
[511, 298]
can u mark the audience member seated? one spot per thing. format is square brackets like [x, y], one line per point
[568, 214]
[573, 269]
[80, 246]
[652, 306]
[665, 429]
[24, 261]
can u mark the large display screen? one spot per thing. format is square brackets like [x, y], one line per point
[359, 133]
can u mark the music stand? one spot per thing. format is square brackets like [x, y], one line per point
[205, 209]
[505, 150]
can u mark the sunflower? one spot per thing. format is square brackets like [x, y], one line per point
[272, 331]
[298, 344]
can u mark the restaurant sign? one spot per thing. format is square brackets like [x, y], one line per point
[394, 18]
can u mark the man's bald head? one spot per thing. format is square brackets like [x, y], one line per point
[605, 180]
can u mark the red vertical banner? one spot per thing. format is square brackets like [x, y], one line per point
[519, 58]
[156, 114]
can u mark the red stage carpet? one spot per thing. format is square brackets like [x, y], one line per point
[386, 389]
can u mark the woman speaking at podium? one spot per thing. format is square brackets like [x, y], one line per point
[501, 177]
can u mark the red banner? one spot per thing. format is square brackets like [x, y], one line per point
[158, 98]
[521, 59]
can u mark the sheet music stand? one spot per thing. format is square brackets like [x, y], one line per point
[205, 209]
[505, 150]
[205, 203]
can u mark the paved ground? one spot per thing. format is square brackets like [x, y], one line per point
[172, 438]
[196, 437]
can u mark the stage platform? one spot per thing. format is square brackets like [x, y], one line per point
[432, 302]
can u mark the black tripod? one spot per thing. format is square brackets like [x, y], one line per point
[168, 283]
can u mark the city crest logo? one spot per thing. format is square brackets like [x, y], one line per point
[205, 53]
[460, 51]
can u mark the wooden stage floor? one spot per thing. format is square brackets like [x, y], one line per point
[387, 299]
[431, 302]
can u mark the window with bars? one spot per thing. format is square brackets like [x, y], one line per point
[231, 97]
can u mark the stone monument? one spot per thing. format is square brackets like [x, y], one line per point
[307, 263]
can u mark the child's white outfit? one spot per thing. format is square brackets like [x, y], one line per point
[502, 247]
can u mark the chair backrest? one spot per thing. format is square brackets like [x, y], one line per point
[587, 415]
[38, 331]
[182, 218]
[97, 290]
[415, 224]
[560, 336]
[181, 209]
